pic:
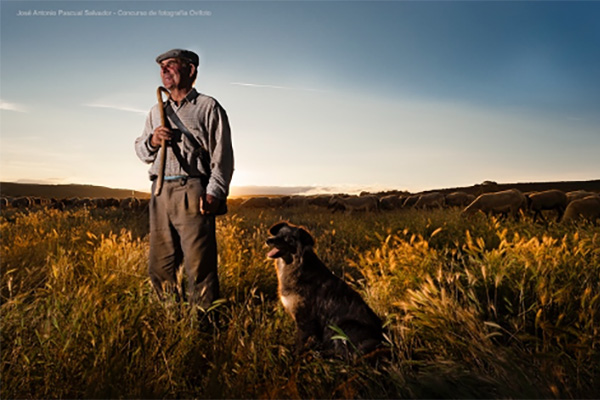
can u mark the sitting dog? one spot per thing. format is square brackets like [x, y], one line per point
[318, 301]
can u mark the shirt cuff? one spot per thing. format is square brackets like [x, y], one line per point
[149, 145]
[216, 192]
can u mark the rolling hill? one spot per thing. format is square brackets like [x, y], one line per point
[66, 191]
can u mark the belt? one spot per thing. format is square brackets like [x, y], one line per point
[182, 179]
[176, 177]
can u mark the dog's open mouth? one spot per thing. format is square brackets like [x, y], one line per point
[274, 253]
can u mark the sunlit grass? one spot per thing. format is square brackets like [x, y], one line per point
[475, 307]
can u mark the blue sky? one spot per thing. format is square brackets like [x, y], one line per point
[345, 95]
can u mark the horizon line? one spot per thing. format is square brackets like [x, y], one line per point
[306, 190]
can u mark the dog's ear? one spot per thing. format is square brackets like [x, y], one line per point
[305, 238]
[277, 227]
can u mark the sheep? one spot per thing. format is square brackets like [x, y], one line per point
[70, 202]
[99, 202]
[112, 202]
[351, 204]
[390, 202]
[586, 208]
[410, 201]
[459, 199]
[504, 202]
[85, 202]
[58, 204]
[129, 203]
[4, 202]
[552, 199]
[276, 202]
[430, 200]
[256, 202]
[22, 202]
[578, 194]
[321, 200]
[296, 201]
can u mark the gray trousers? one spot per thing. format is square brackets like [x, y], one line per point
[180, 233]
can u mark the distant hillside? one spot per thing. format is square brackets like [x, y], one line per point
[66, 191]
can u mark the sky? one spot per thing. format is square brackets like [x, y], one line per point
[321, 95]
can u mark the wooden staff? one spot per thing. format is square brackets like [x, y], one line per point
[163, 148]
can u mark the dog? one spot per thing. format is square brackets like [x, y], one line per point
[324, 308]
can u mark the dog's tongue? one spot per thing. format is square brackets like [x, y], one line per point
[274, 253]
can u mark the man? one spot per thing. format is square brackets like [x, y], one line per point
[197, 174]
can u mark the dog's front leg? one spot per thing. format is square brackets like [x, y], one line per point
[307, 336]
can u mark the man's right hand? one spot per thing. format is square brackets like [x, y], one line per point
[161, 133]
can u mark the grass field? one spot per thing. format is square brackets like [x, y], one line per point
[477, 308]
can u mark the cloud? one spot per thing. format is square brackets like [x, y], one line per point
[118, 108]
[47, 181]
[4, 105]
[256, 85]
[253, 190]
[305, 190]
[352, 189]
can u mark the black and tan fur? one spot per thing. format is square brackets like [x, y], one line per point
[317, 299]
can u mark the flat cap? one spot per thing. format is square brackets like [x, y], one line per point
[179, 53]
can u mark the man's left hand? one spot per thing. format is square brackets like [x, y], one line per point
[209, 205]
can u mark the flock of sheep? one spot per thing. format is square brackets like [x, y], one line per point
[28, 202]
[566, 206]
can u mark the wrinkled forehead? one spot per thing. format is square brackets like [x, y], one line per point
[170, 61]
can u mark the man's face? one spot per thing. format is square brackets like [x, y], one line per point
[175, 74]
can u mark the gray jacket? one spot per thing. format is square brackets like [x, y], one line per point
[207, 121]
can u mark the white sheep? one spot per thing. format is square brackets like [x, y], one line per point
[459, 199]
[586, 208]
[503, 202]
[410, 200]
[351, 204]
[431, 200]
[578, 194]
[296, 201]
[320, 200]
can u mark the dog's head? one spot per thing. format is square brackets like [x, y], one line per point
[288, 240]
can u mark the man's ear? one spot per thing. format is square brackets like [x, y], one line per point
[305, 238]
[192, 70]
[277, 227]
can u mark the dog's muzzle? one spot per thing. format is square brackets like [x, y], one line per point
[274, 252]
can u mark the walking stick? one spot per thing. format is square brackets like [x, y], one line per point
[163, 148]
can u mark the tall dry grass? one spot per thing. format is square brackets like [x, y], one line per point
[473, 308]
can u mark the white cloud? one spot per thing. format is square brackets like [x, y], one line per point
[118, 107]
[4, 105]
[45, 181]
[256, 85]
[352, 189]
